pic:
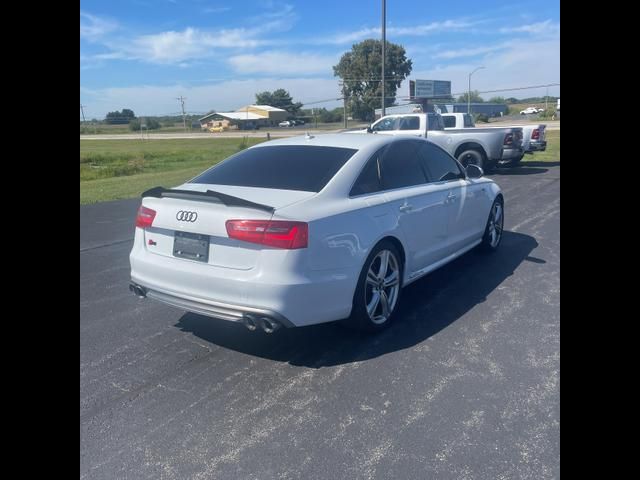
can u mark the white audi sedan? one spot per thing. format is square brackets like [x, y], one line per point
[312, 229]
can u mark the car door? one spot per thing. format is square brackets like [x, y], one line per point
[465, 199]
[419, 206]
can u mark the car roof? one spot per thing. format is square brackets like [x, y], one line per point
[342, 140]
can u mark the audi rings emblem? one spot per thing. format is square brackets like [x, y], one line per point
[186, 216]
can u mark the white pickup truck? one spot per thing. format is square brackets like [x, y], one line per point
[484, 147]
[533, 135]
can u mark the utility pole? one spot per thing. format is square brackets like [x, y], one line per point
[344, 109]
[344, 104]
[82, 111]
[469, 90]
[184, 120]
[384, 44]
[546, 101]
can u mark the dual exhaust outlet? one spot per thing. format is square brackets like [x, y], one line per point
[252, 322]
[268, 325]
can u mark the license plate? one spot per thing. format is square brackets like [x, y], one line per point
[191, 245]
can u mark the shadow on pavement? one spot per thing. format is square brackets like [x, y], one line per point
[428, 306]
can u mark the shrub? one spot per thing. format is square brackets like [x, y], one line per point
[243, 144]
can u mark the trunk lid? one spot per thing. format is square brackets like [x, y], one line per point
[207, 217]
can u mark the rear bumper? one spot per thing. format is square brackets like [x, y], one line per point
[294, 299]
[537, 146]
[510, 154]
[222, 311]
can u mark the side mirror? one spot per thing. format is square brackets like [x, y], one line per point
[369, 129]
[474, 171]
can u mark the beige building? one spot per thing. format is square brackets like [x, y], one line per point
[246, 118]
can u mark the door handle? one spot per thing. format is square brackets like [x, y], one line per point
[451, 197]
[406, 207]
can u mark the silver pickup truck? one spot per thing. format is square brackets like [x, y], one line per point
[484, 147]
[533, 135]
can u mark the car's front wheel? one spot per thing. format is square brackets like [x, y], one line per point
[495, 226]
[378, 291]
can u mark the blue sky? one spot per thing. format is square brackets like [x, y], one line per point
[142, 54]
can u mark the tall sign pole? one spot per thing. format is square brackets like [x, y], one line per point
[384, 45]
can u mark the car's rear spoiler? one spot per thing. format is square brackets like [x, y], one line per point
[208, 196]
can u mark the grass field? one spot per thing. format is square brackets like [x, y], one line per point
[97, 129]
[102, 129]
[115, 169]
[516, 108]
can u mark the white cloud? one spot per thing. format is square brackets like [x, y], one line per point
[177, 47]
[524, 63]
[221, 96]
[282, 63]
[409, 31]
[93, 28]
[173, 47]
[471, 52]
[539, 28]
[170, 47]
[215, 9]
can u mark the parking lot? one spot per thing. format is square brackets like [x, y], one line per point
[465, 385]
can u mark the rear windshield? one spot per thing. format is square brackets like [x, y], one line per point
[287, 167]
[449, 121]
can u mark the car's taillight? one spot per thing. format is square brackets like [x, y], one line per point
[508, 139]
[535, 135]
[273, 233]
[145, 217]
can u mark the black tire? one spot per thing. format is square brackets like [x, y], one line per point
[515, 162]
[488, 242]
[360, 318]
[472, 157]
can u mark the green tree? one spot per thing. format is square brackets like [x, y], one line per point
[360, 71]
[497, 100]
[329, 116]
[475, 97]
[120, 118]
[279, 98]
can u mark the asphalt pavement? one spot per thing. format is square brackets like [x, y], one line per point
[464, 386]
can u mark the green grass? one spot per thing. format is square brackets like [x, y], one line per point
[516, 108]
[115, 169]
[93, 129]
[551, 154]
[102, 129]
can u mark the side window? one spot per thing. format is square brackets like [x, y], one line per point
[400, 166]
[449, 121]
[385, 125]
[409, 123]
[369, 179]
[440, 166]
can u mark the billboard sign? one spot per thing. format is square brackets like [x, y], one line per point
[432, 88]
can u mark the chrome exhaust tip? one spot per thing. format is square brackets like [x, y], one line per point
[249, 322]
[138, 290]
[269, 325]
